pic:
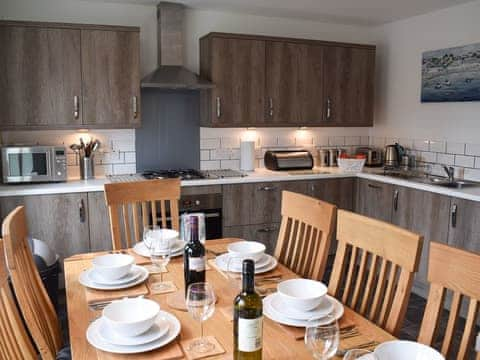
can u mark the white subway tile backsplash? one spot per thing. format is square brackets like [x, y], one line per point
[286, 140]
[352, 140]
[336, 140]
[72, 159]
[130, 157]
[427, 156]
[320, 140]
[210, 165]
[406, 143]
[230, 142]
[364, 140]
[455, 148]
[378, 142]
[116, 157]
[472, 149]
[220, 154]
[446, 159]
[105, 170]
[204, 155]
[422, 145]
[391, 140]
[477, 162]
[230, 164]
[122, 169]
[235, 154]
[472, 174]
[211, 143]
[437, 146]
[268, 141]
[465, 161]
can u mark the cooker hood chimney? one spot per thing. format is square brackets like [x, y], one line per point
[171, 74]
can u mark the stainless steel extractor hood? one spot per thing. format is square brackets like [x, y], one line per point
[171, 74]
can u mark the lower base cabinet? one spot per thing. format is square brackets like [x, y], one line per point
[100, 234]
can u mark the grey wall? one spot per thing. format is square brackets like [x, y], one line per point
[170, 134]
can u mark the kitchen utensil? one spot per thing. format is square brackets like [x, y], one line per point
[373, 156]
[365, 345]
[288, 160]
[332, 157]
[302, 294]
[87, 169]
[393, 155]
[324, 157]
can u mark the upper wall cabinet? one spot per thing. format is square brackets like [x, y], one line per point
[265, 81]
[68, 76]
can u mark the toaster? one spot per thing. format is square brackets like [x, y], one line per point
[374, 157]
[288, 160]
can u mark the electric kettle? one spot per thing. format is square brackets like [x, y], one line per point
[393, 155]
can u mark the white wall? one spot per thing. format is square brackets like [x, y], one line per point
[91, 13]
[399, 112]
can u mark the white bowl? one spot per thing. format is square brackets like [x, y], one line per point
[401, 350]
[162, 233]
[302, 294]
[131, 317]
[247, 250]
[113, 266]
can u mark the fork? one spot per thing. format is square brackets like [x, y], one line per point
[367, 345]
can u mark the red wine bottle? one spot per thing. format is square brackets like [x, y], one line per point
[194, 256]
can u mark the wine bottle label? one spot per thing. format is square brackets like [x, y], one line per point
[196, 263]
[250, 334]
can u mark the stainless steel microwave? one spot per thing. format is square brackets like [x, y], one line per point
[28, 164]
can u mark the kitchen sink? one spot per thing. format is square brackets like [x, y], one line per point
[457, 184]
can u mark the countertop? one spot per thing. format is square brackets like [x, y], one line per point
[259, 175]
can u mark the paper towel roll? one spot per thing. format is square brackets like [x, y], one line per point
[247, 155]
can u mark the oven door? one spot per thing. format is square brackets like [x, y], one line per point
[27, 164]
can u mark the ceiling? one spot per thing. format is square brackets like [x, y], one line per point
[355, 12]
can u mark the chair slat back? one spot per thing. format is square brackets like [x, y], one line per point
[35, 305]
[133, 205]
[458, 271]
[374, 268]
[15, 342]
[305, 234]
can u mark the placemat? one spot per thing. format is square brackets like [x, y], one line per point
[97, 296]
[139, 260]
[192, 355]
[171, 351]
[158, 287]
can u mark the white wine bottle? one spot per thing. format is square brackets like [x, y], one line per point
[248, 318]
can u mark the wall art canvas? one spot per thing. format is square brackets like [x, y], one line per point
[451, 74]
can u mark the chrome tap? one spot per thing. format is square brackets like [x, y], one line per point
[450, 170]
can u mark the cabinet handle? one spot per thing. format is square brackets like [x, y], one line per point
[266, 230]
[329, 109]
[81, 211]
[135, 106]
[454, 215]
[76, 107]
[374, 186]
[395, 200]
[267, 188]
[219, 107]
[270, 107]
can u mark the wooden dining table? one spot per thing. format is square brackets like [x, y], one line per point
[279, 341]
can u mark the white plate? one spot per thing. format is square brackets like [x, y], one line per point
[402, 349]
[85, 280]
[272, 314]
[325, 308]
[224, 258]
[272, 263]
[131, 276]
[142, 250]
[158, 329]
[96, 341]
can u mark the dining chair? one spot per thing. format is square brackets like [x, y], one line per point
[136, 202]
[33, 301]
[456, 271]
[305, 234]
[374, 268]
[15, 343]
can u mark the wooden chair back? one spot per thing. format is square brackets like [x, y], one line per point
[305, 234]
[374, 268]
[15, 342]
[136, 202]
[458, 271]
[33, 301]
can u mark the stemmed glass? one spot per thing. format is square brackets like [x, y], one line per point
[359, 354]
[160, 249]
[234, 272]
[200, 303]
[322, 338]
[149, 234]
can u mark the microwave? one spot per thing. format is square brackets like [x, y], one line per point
[31, 164]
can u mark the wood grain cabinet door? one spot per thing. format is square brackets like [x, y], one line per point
[335, 191]
[238, 72]
[349, 86]
[111, 78]
[464, 229]
[424, 213]
[294, 84]
[40, 77]
[374, 199]
[99, 225]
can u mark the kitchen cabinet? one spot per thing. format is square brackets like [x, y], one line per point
[60, 220]
[267, 234]
[349, 86]
[68, 76]
[374, 199]
[424, 213]
[99, 222]
[111, 78]
[464, 224]
[237, 68]
[294, 83]
[270, 81]
[40, 77]
[339, 192]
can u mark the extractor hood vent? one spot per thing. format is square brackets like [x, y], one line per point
[171, 74]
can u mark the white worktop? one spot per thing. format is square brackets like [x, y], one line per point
[259, 175]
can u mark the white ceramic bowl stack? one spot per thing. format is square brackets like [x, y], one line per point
[176, 244]
[401, 350]
[113, 272]
[243, 250]
[133, 325]
[299, 300]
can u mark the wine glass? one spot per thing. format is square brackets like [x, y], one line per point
[200, 303]
[234, 272]
[160, 249]
[148, 234]
[359, 354]
[322, 337]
